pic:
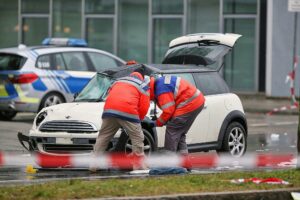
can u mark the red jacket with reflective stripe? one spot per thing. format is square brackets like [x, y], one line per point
[128, 99]
[176, 96]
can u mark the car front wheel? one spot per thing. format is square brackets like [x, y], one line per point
[125, 143]
[51, 99]
[235, 140]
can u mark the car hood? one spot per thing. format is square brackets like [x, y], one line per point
[204, 49]
[82, 111]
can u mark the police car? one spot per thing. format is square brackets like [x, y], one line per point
[32, 78]
[221, 125]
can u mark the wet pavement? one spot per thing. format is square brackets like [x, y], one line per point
[257, 143]
[267, 134]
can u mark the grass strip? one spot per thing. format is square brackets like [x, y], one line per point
[149, 186]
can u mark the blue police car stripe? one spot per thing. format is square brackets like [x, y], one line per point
[39, 85]
[53, 80]
[62, 82]
[54, 76]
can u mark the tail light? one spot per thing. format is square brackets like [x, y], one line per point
[24, 78]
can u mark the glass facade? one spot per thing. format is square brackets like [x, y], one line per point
[206, 21]
[34, 30]
[99, 33]
[240, 69]
[66, 18]
[239, 72]
[99, 6]
[138, 30]
[133, 30]
[33, 6]
[240, 6]
[164, 31]
[9, 23]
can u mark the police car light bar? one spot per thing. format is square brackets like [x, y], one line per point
[70, 42]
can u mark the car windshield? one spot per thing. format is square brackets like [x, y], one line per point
[96, 89]
[207, 54]
[11, 61]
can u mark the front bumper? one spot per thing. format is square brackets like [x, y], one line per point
[60, 145]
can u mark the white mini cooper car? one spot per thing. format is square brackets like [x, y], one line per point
[222, 126]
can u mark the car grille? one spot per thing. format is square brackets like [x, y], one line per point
[63, 148]
[68, 126]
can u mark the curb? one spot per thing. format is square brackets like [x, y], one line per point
[278, 194]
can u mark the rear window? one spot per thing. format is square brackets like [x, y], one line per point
[211, 83]
[11, 61]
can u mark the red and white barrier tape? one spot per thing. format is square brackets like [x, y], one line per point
[122, 161]
[290, 78]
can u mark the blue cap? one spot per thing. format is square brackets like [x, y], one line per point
[70, 42]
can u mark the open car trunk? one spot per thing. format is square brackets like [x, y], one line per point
[205, 49]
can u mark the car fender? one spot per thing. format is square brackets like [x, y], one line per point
[235, 115]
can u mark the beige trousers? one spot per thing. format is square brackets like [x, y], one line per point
[109, 128]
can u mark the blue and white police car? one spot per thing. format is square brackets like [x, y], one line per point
[32, 78]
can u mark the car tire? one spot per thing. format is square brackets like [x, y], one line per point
[124, 144]
[51, 99]
[7, 115]
[235, 140]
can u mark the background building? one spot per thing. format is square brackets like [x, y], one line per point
[141, 30]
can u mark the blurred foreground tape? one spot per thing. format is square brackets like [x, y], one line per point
[296, 195]
[122, 161]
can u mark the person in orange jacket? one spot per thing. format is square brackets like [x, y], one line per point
[126, 105]
[181, 102]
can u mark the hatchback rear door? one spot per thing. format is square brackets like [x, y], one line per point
[205, 49]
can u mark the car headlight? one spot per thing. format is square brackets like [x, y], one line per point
[40, 118]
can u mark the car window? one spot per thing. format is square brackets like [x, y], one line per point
[186, 76]
[59, 62]
[75, 61]
[101, 61]
[96, 89]
[11, 61]
[211, 83]
[43, 62]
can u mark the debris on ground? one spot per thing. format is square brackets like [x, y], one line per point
[275, 181]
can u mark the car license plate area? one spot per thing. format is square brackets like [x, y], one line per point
[64, 141]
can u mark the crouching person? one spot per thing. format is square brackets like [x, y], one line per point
[181, 102]
[126, 105]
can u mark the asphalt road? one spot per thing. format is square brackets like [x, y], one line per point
[259, 125]
[277, 133]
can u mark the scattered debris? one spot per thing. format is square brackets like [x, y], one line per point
[30, 170]
[275, 181]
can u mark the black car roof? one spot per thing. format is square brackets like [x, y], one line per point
[151, 69]
[172, 68]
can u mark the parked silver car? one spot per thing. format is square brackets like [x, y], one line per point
[32, 78]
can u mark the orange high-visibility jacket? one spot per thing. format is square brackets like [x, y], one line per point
[128, 99]
[175, 96]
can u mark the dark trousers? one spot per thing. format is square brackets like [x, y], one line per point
[176, 130]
